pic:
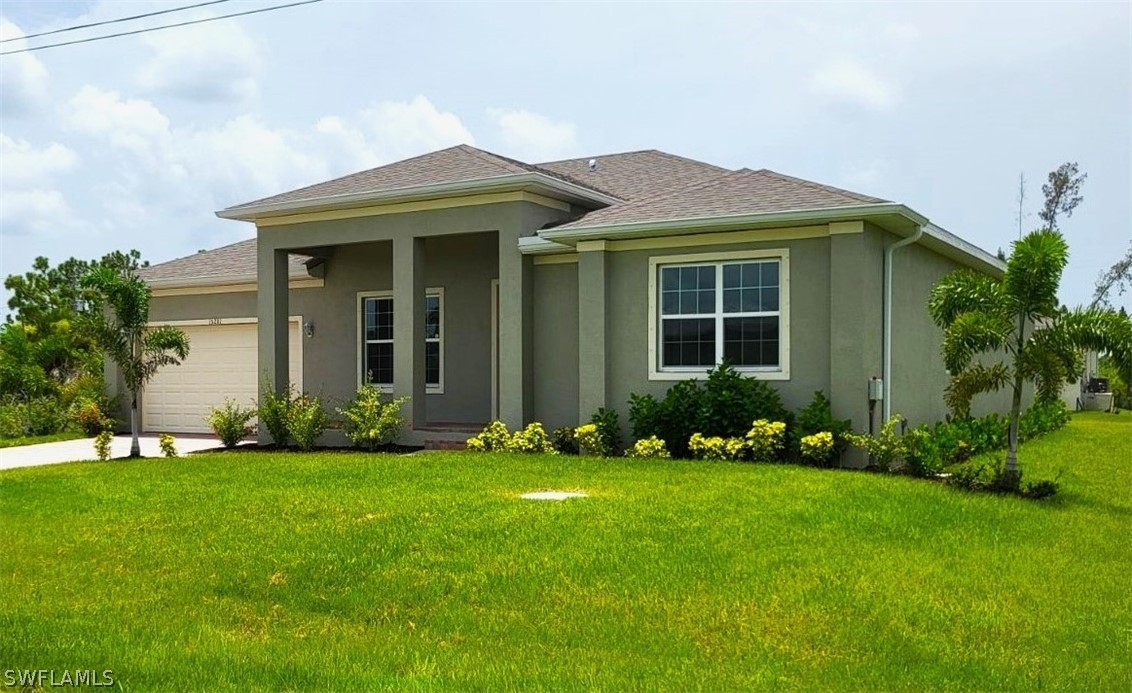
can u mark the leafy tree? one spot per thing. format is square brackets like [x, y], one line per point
[1019, 317]
[1118, 277]
[1062, 192]
[121, 328]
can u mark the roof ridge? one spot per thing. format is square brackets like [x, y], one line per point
[698, 185]
[860, 197]
[491, 157]
[200, 252]
[670, 155]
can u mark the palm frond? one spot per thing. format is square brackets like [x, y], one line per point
[975, 380]
[970, 334]
[1033, 273]
[964, 291]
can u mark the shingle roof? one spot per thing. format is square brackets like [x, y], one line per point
[632, 175]
[230, 261]
[453, 165]
[732, 193]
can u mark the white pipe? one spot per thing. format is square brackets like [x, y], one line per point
[886, 406]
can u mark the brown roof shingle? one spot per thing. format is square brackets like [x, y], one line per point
[632, 175]
[228, 262]
[726, 194]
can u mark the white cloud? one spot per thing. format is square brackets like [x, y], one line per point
[23, 79]
[399, 129]
[33, 211]
[534, 137]
[133, 124]
[214, 62]
[26, 164]
[850, 81]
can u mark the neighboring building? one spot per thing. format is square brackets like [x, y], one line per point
[489, 288]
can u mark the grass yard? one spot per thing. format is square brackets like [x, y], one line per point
[35, 440]
[339, 570]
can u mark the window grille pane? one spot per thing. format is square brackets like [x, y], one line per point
[432, 363]
[751, 341]
[688, 342]
[379, 363]
[432, 317]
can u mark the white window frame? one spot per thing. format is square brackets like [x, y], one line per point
[656, 262]
[360, 342]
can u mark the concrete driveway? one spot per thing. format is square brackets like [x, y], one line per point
[83, 449]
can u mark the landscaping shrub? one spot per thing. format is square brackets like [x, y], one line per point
[532, 439]
[88, 415]
[817, 448]
[275, 411]
[648, 448]
[494, 438]
[723, 407]
[168, 445]
[609, 429]
[885, 449]
[370, 423]
[1042, 418]
[306, 421]
[717, 447]
[922, 456]
[13, 419]
[766, 439]
[817, 417]
[973, 475]
[564, 441]
[102, 445]
[230, 423]
[1038, 490]
[590, 440]
[45, 416]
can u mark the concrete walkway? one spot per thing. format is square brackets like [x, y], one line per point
[83, 449]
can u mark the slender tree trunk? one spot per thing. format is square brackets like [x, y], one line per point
[135, 445]
[1016, 402]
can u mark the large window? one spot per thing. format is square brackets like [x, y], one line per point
[377, 340]
[710, 308]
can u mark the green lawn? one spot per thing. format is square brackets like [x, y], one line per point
[34, 440]
[337, 570]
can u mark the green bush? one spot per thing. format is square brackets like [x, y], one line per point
[230, 423]
[13, 419]
[564, 441]
[609, 428]
[766, 439]
[589, 440]
[306, 421]
[717, 447]
[885, 449]
[532, 439]
[817, 417]
[723, 407]
[275, 412]
[818, 448]
[922, 456]
[102, 445]
[45, 416]
[168, 445]
[89, 416]
[648, 448]
[1042, 418]
[494, 438]
[973, 476]
[370, 423]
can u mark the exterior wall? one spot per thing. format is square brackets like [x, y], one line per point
[555, 345]
[919, 375]
[462, 265]
[627, 348]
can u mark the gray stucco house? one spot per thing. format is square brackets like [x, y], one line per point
[487, 288]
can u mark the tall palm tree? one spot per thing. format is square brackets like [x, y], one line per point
[122, 329]
[1005, 332]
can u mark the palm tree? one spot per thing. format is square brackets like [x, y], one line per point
[1018, 331]
[122, 329]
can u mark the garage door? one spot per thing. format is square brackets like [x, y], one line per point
[222, 363]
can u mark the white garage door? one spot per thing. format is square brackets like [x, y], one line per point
[222, 363]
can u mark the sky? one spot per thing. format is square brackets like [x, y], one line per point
[135, 142]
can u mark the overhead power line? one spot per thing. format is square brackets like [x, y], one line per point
[113, 21]
[159, 28]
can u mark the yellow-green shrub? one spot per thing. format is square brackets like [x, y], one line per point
[532, 439]
[766, 439]
[651, 447]
[716, 447]
[589, 438]
[818, 447]
[494, 438]
[168, 445]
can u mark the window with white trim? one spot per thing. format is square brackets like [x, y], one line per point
[377, 340]
[711, 311]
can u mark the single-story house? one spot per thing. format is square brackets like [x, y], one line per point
[488, 288]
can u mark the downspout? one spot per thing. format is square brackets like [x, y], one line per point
[886, 405]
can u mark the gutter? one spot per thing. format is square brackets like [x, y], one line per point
[568, 234]
[421, 192]
[886, 375]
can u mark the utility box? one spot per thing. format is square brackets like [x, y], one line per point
[876, 390]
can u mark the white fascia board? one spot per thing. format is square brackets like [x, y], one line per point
[718, 223]
[534, 245]
[211, 280]
[536, 182]
[970, 250]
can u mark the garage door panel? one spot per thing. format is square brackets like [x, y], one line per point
[222, 364]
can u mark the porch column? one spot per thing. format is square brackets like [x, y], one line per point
[515, 320]
[409, 327]
[591, 328]
[272, 310]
